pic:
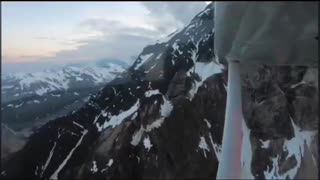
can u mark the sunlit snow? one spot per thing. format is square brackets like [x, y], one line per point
[143, 58]
[147, 143]
[115, 120]
[94, 168]
[295, 147]
[204, 146]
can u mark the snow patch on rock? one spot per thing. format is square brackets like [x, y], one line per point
[166, 107]
[143, 58]
[207, 122]
[110, 162]
[117, 119]
[147, 143]
[294, 147]
[151, 93]
[265, 144]
[246, 152]
[204, 146]
[137, 137]
[216, 148]
[204, 70]
[156, 124]
[94, 168]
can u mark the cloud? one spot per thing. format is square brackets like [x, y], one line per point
[181, 12]
[122, 40]
[21, 59]
[125, 38]
[116, 40]
[44, 38]
[119, 46]
[112, 27]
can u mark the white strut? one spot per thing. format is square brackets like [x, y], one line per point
[230, 161]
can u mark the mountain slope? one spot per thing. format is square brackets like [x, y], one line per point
[164, 119]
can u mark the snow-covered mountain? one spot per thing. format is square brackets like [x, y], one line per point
[29, 100]
[163, 119]
[19, 85]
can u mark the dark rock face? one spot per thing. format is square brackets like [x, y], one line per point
[283, 110]
[164, 119]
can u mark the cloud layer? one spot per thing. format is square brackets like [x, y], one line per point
[125, 38]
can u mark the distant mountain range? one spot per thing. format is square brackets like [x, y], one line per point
[31, 99]
[73, 76]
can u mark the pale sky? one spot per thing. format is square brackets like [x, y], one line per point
[81, 31]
